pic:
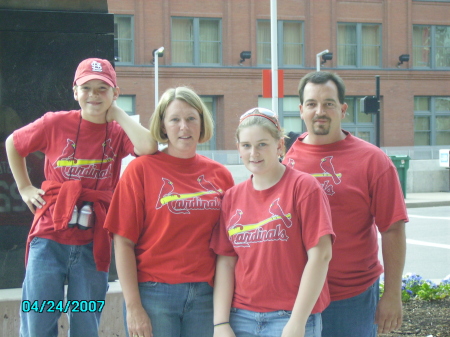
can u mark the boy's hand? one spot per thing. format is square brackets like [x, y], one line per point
[32, 197]
[113, 112]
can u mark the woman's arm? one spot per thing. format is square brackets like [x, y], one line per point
[138, 321]
[311, 285]
[223, 294]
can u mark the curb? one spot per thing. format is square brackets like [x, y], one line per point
[417, 204]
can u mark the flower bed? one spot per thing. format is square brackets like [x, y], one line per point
[426, 307]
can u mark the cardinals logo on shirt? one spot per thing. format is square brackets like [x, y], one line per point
[77, 168]
[186, 202]
[243, 235]
[328, 171]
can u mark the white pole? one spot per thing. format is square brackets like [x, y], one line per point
[318, 58]
[156, 56]
[274, 53]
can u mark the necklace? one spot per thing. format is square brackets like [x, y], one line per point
[75, 150]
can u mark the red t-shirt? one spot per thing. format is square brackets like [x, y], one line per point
[364, 192]
[168, 206]
[270, 231]
[63, 136]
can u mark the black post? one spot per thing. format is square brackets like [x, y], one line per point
[377, 78]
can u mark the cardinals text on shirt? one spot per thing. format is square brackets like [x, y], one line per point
[204, 197]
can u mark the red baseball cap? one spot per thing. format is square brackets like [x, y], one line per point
[95, 69]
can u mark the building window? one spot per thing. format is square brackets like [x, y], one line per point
[291, 35]
[210, 102]
[431, 121]
[196, 41]
[288, 113]
[126, 103]
[431, 46]
[124, 39]
[358, 123]
[359, 45]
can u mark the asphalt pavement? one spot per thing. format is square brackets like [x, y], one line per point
[428, 235]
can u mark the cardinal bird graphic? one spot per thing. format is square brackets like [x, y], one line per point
[166, 189]
[205, 184]
[327, 167]
[234, 221]
[67, 153]
[109, 152]
[275, 210]
[291, 162]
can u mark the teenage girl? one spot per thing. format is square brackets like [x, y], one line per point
[273, 240]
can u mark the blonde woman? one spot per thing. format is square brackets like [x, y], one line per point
[162, 215]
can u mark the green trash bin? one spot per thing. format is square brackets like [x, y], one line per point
[402, 165]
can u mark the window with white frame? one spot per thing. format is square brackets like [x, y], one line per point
[210, 102]
[196, 41]
[431, 120]
[358, 123]
[359, 45]
[291, 34]
[431, 46]
[124, 39]
[288, 115]
[126, 102]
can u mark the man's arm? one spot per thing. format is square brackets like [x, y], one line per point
[30, 194]
[139, 136]
[389, 311]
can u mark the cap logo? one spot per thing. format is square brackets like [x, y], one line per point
[96, 66]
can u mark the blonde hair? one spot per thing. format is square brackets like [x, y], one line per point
[190, 97]
[275, 132]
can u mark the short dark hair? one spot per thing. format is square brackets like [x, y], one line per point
[322, 77]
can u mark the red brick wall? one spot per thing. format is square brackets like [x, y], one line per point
[239, 87]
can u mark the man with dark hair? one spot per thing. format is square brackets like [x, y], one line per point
[365, 196]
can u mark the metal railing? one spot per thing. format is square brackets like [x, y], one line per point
[231, 157]
[415, 152]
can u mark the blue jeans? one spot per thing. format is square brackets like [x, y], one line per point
[247, 323]
[184, 309]
[49, 265]
[354, 316]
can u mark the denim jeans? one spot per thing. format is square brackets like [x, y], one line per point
[49, 265]
[352, 317]
[247, 323]
[178, 310]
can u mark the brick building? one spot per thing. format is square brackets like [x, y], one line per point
[203, 41]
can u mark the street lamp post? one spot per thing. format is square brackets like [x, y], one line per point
[318, 58]
[156, 55]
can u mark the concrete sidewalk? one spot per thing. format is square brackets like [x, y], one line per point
[414, 200]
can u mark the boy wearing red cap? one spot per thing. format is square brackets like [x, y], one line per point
[83, 150]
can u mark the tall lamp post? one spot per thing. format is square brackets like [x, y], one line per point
[318, 59]
[157, 53]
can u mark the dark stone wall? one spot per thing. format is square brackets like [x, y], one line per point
[39, 52]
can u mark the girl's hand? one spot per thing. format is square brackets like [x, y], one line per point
[293, 329]
[223, 331]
